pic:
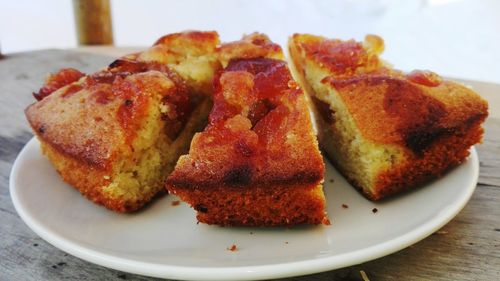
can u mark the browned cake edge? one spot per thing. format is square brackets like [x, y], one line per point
[258, 205]
[444, 154]
[90, 180]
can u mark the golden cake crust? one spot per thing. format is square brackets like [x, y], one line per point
[407, 113]
[276, 151]
[431, 122]
[72, 121]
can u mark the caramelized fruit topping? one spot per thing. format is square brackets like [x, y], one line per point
[253, 111]
[424, 77]
[346, 57]
[58, 80]
[250, 87]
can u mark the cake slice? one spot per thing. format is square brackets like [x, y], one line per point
[116, 134]
[257, 162]
[384, 130]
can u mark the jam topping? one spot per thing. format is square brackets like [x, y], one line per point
[103, 96]
[271, 129]
[346, 57]
[176, 108]
[58, 80]
[271, 76]
[124, 67]
[70, 90]
[253, 110]
[424, 77]
[260, 109]
[111, 83]
[116, 82]
[238, 89]
[250, 87]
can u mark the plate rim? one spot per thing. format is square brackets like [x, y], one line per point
[254, 272]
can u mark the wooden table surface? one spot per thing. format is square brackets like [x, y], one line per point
[467, 248]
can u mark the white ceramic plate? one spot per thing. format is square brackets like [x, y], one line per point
[164, 240]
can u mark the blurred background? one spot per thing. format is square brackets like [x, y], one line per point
[457, 38]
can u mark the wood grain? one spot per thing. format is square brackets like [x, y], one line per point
[467, 248]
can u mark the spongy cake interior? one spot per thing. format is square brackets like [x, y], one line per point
[153, 155]
[359, 159]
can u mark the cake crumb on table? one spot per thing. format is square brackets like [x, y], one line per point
[233, 248]
[374, 210]
[345, 206]
[176, 203]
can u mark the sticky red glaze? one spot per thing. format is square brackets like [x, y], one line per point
[133, 107]
[70, 90]
[424, 77]
[123, 67]
[102, 96]
[58, 80]
[179, 110]
[134, 102]
[271, 76]
[270, 129]
[245, 148]
[260, 109]
[341, 57]
[254, 84]
[250, 112]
